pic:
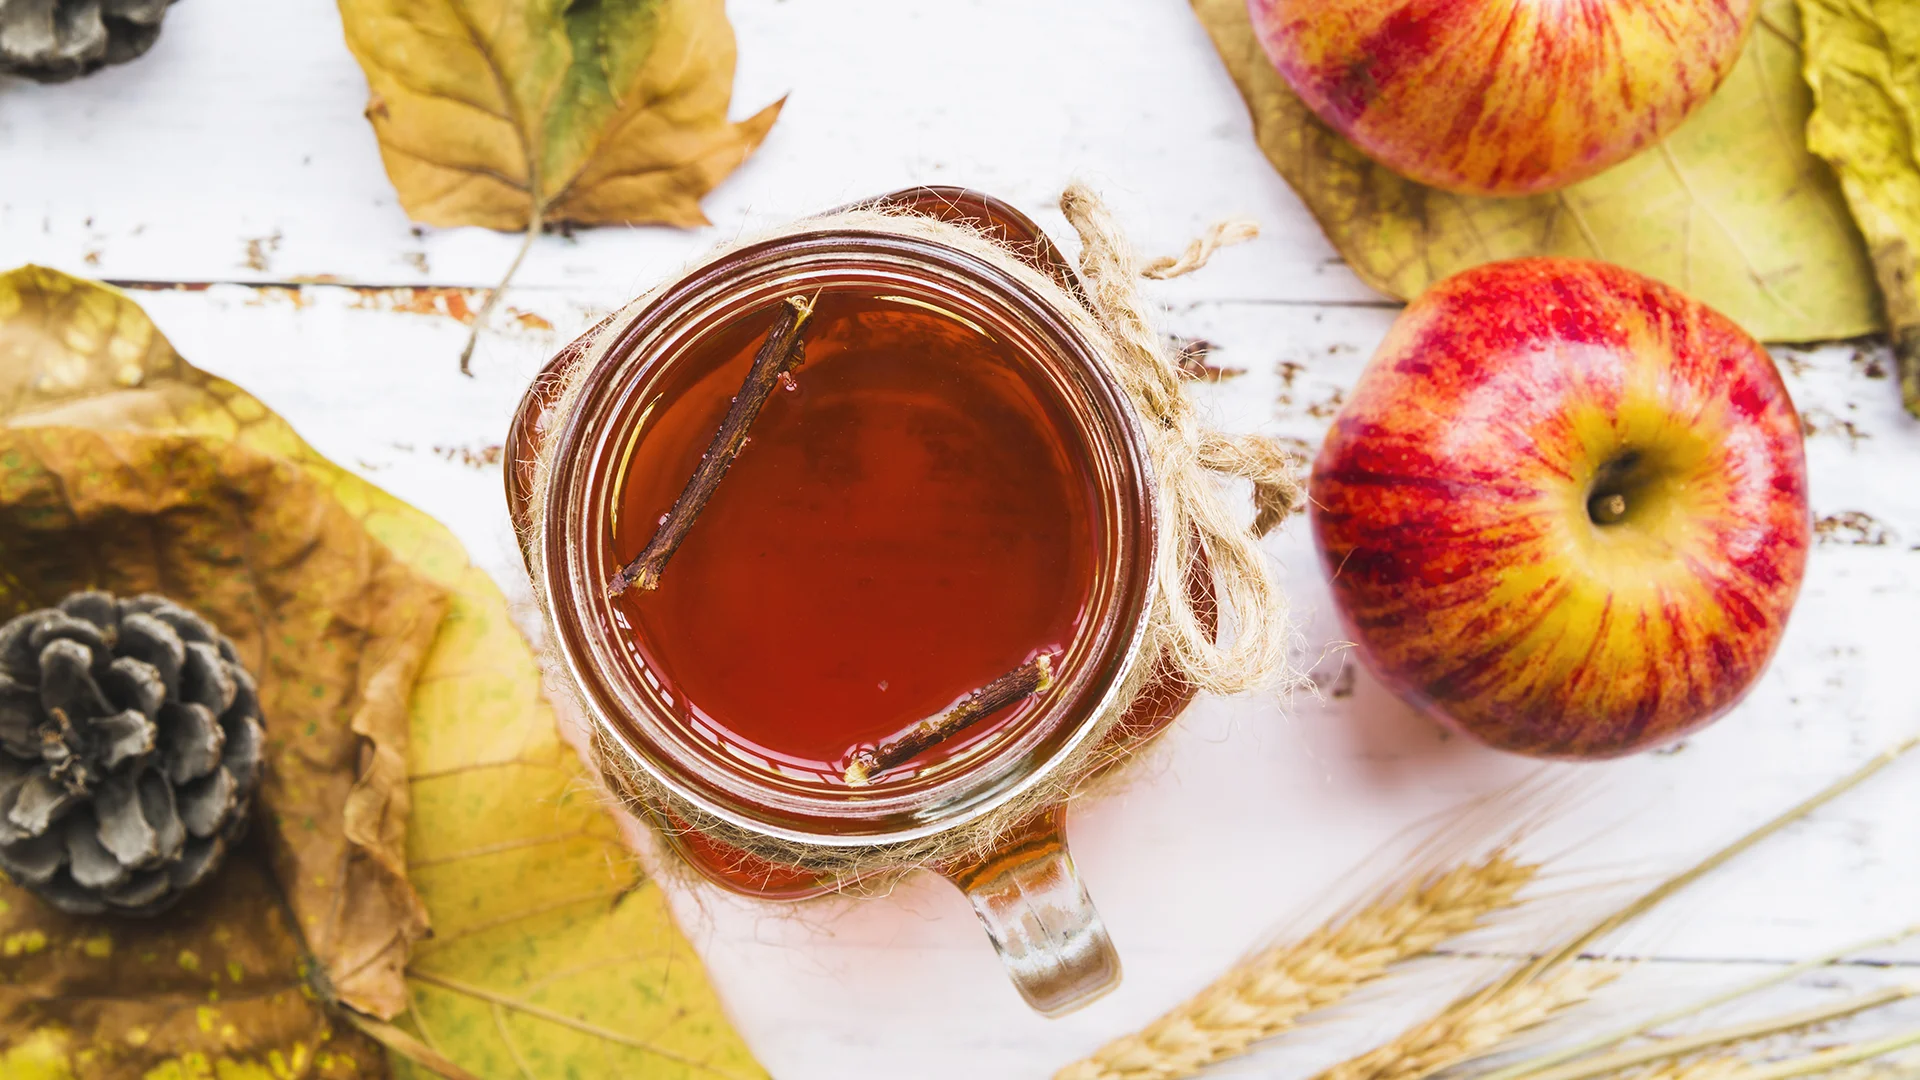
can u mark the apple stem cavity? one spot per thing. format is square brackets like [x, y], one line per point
[1607, 508]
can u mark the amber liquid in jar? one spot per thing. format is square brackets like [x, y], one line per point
[912, 517]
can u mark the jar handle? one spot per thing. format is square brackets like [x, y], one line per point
[1037, 913]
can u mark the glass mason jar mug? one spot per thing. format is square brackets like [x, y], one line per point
[1017, 499]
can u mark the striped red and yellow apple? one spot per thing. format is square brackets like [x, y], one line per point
[1502, 97]
[1564, 509]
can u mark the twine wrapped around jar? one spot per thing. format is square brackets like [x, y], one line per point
[1197, 523]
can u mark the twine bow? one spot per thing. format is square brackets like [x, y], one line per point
[1186, 451]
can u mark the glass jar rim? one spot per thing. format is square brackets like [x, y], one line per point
[624, 705]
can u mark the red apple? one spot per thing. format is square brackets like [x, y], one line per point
[1564, 510]
[1502, 97]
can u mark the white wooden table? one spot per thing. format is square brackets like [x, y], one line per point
[234, 157]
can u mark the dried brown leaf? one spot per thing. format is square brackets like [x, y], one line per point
[335, 628]
[338, 790]
[68, 354]
[216, 985]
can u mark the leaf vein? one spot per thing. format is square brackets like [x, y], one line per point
[439, 940]
[1580, 223]
[1733, 239]
[527, 1008]
[480, 766]
[505, 846]
[513, 1049]
[455, 166]
[518, 122]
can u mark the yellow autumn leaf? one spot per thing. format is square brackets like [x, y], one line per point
[1863, 62]
[506, 113]
[551, 951]
[1732, 207]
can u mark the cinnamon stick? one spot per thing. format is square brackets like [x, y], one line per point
[1033, 677]
[779, 354]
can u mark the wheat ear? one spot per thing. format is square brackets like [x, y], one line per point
[1476, 1024]
[1264, 994]
[1535, 1067]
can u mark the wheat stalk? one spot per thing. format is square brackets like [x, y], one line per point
[1836, 1064]
[1680, 1046]
[1264, 994]
[1544, 1063]
[1905, 1067]
[1839, 1057]
[1709, 1068]
[1530, 995]
[1476, 1024]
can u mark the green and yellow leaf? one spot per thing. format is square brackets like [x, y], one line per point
[1732, 207]
[504, 112]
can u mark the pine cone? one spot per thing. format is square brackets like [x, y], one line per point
[56, 40]
[130, 748]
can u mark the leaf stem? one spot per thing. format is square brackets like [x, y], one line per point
[1033, 677]
[317, 983]
[493, 297]
[538, 1012]
[1906, 358]
[401, 1042]
[780, 353]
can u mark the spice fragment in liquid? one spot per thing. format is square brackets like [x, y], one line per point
[912, 519]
